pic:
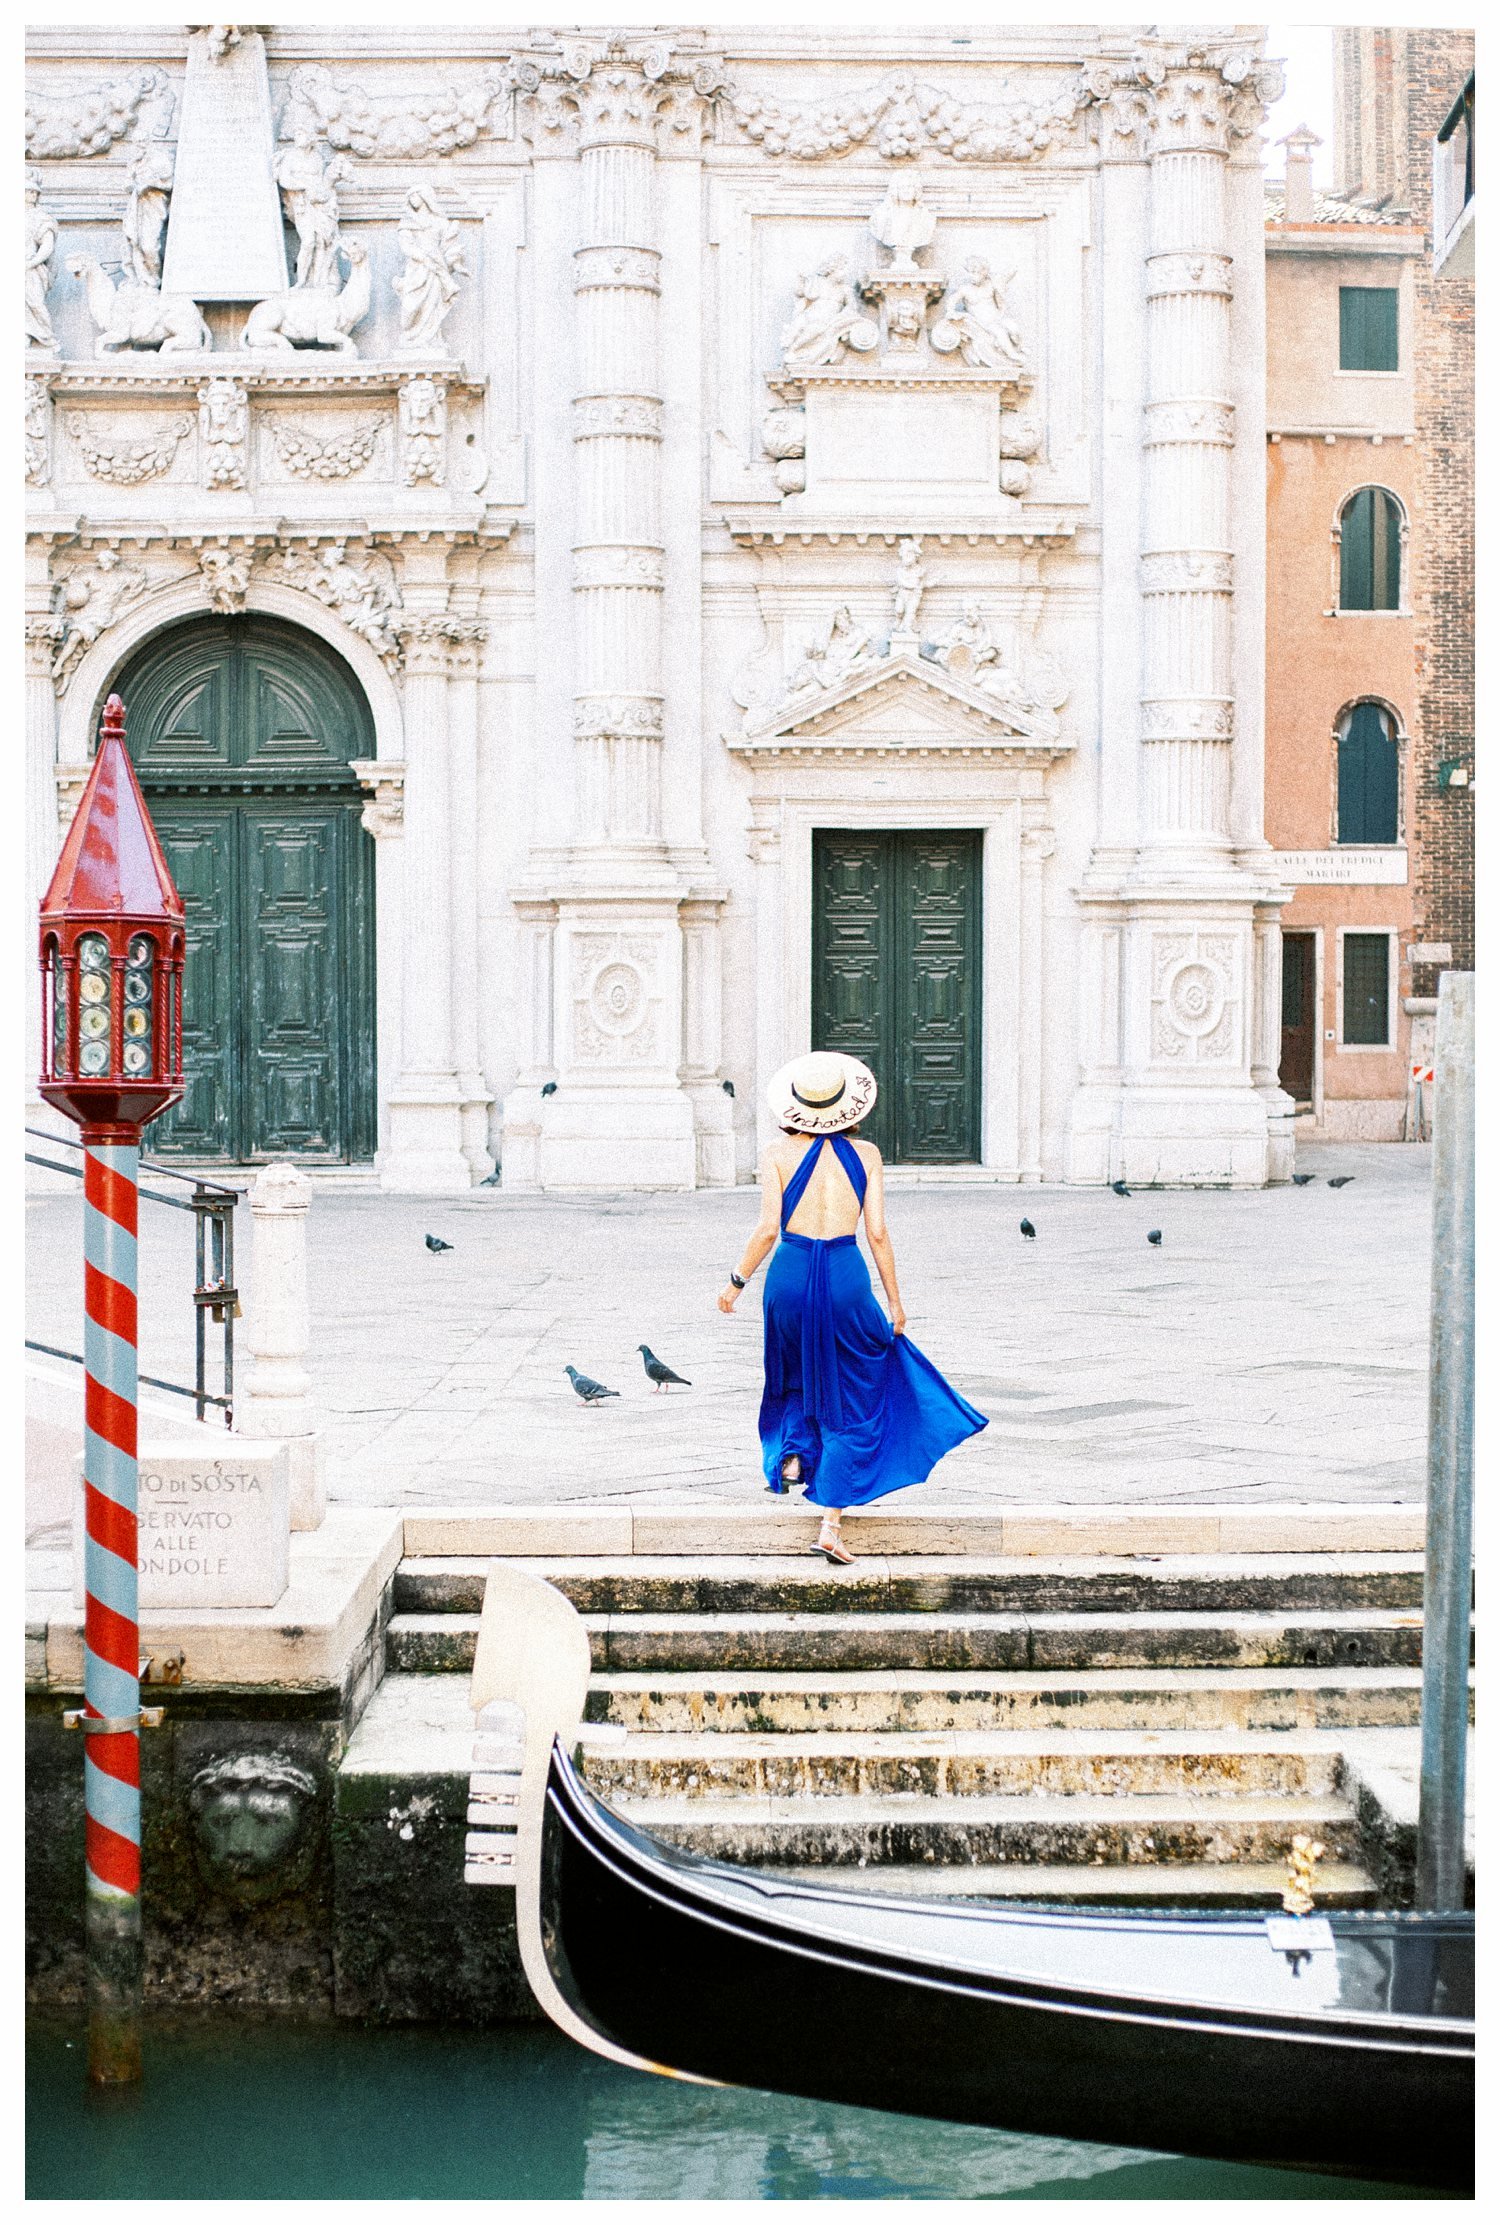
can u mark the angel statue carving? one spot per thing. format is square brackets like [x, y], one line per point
[910, 581]
[974, 322]
[432, 267]
[828, 317]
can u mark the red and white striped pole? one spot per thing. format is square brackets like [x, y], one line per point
[113, 947]
[111, 1629]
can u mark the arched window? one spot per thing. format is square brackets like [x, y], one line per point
[1370, 551]
[1368, 775]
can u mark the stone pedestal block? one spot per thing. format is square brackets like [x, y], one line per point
[213, 1533]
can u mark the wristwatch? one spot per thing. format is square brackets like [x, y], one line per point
[737, 1280]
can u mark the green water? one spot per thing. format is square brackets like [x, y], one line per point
[266, 2111]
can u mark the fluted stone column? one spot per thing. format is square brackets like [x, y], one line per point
[467, 639]
[425, 1147]
[1176, 972]
[42, 843]
[619, 1116]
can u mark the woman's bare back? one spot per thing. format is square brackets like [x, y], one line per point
[828, 1206]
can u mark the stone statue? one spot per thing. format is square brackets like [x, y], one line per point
[433, 265]
[314, 316]
[89, 603]
[974, 322]
[145, 220]
[902, 222]
[255, 1818]
[131, 315]
[829, 316]
[832, 655]
[41, 244]
[968, 645]
[359, 588]
[910, 581]
[310, 196]
[226, 577]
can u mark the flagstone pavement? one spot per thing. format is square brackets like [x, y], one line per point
[1273, 1348]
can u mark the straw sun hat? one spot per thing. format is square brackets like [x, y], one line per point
[821, 1093]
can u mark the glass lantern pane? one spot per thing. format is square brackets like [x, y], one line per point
[137, 1058]
[93, 1058]
[94, 1022]
[93, 988]
[142, 950]
[137, 988]
[93, 953]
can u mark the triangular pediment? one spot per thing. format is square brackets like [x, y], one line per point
[900, 703]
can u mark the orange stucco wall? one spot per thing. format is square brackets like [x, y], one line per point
[1318, 663]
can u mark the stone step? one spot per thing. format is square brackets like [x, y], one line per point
[963, 1765]
[1338, 1638]
[662, 1523]
[1074, 1829]
[925, 1700]
[1127, 1884]
[921, 1583]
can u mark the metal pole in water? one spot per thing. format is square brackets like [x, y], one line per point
[1450, 1459]
[111, 1660]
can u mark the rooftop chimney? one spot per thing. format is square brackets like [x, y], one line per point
[1298, 205]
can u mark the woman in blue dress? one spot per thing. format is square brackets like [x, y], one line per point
[851, 1410]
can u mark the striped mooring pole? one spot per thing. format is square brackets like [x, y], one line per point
[113, 946]
[111, 1629]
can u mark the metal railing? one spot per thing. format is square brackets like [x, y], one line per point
[215, 1297]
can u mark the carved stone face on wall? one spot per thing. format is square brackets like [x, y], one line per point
[254, 1818]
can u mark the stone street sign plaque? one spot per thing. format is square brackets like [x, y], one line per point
[1343, 868]
[224, 236]
[212, 1532]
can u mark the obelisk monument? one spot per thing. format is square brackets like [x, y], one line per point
[224, 236]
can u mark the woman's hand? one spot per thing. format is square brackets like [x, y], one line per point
[898, 1320]
[727, 1297]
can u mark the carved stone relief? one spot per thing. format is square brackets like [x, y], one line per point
[327, 455]
[63, 126]
[393, 125]
[89, 601]
[38, 433]
[614, 1017]
[1195, 1009]
[256, 1827]
[424, 431]
[314, 316]
[900, 119]
[223, 425]
[226, 577]
[127, 462]
[145, 219]
[355, 582]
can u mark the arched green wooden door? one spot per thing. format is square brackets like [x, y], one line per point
[242, 730]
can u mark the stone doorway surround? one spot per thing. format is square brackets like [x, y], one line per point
[848, 762]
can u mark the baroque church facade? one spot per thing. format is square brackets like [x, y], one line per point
[629, 556]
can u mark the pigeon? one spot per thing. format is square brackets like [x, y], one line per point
[1302, 1180]
[658, 1370]
[1028, 1232]
[1337, 1181]
[549, 1089]
[588, 1390]
[436, 1244]
[1153, 1236]
[728, 1087]
[1119, 1189]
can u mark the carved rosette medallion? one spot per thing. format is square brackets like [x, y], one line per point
[614, 999]
[1195, 1016]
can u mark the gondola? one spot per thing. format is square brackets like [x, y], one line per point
[1340, 2044]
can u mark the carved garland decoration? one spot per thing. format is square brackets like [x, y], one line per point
[63, 126]
[338, 456]
[396, 125]
[126, 463]
[900, 119]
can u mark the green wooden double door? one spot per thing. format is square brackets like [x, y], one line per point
[242, 730]
[896, 982]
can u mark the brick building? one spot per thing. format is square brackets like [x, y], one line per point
[1369, 679]
[1395, 93]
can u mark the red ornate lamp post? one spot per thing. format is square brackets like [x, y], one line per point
[112, 956]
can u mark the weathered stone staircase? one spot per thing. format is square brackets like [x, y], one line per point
[1081, 1726]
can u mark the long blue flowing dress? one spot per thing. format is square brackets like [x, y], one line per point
[863, 1409]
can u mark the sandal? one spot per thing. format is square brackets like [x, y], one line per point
[786, 1478]
[831, 1545]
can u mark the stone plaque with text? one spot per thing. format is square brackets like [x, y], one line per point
[212, 1532]
[224, 236]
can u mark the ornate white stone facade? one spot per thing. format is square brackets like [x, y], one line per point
[690, 443]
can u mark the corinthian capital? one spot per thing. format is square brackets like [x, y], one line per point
[623, 90]
[1171, 98]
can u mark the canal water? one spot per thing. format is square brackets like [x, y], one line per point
[265, 2111]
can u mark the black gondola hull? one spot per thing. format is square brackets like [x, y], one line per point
[656, 1955]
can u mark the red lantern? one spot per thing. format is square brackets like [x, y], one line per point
[112, 957]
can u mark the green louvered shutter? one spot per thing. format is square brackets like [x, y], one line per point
[1368, 328]
[1368, 777]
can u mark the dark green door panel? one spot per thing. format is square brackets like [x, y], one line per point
[242, 731]
[896, 981]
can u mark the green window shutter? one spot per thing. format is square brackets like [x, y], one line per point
[1368, 328]
[1368, 777]
[1356, 552]
[1367, 983]
[1385, 582]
